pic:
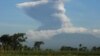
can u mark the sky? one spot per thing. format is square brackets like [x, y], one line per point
[82, 13]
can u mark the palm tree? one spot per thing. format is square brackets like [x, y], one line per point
[80, 47]
[37, 45]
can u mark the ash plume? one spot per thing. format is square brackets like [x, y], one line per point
[51, 14]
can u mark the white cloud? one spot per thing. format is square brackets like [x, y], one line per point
[41, 35]
[96, 30]
[52, 16]
[31, 4]
[74, 30]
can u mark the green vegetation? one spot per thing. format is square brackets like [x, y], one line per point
[12, 45]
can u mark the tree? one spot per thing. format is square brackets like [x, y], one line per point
[5, 41]
[37, 45]
[94, 48]
[17, 39]
[80, 47]
[98, 48]
[67, 48]
[14, 41]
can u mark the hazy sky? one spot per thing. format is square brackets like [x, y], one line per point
[82, 13]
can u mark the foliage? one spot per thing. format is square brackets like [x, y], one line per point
[37, 45]
[14, 41]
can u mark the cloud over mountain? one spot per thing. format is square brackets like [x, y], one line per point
[51, 14]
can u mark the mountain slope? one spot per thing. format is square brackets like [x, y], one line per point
[72, 39]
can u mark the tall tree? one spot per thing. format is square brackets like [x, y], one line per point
[17, 40]
[5, 40]
[80, 47]
[37, 45]
[12, 41]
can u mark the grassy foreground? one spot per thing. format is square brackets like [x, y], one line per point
[48, 53]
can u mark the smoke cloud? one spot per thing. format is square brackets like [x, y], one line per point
[51, 14]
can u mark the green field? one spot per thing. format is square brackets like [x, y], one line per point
[48, 53]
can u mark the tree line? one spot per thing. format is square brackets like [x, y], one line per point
[15, 42]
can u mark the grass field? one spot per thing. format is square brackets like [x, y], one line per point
[48, 53]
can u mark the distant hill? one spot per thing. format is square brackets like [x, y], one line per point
[72, 39]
